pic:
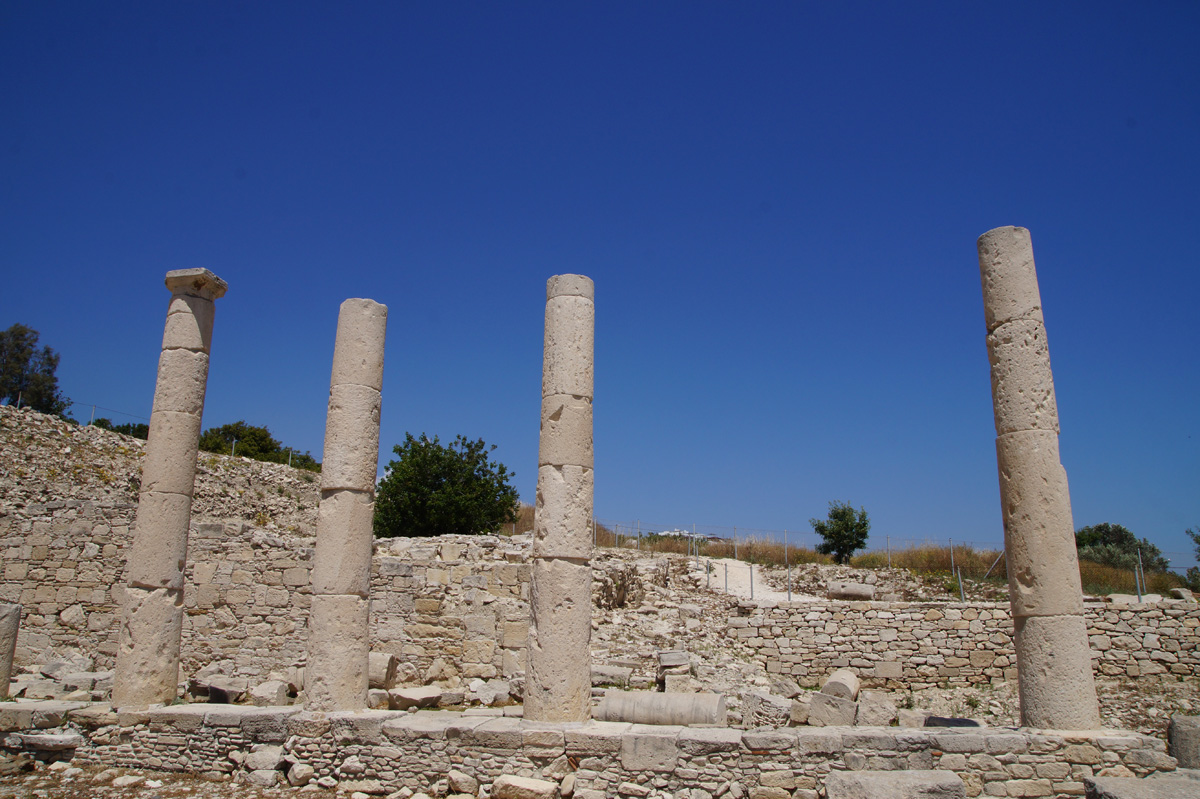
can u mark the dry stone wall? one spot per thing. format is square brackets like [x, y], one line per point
[922, 645]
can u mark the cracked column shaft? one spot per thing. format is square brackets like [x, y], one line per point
[147, 668]
[558, 682]
[1054, 669]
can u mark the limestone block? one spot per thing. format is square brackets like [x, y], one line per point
[1022, 383]
[876, 709]
[558, 681]
[10, 625]
[508, 787]
[567, 366]
[852, 591]
[1054, 673]
[570, 286]
[148, 648]
[1183, 740]
[1043, 565]
[158, 553]
[342, 560]
[652, 707]
[189, 324]
[358, 348]
[566, 433]
[336, 676]
[196, 283]
[826, 710]
[1006, 269]
[351, 438]
[170, 463]
[648, 749]
[382, 668]
[562, 512]
[269, 693]
[182, 380]
[916, 784]
[842, 683]
[1159, 787]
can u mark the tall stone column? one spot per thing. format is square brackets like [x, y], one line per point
[1054, 667]
[558, 685]
[152, 614]
[339, 645]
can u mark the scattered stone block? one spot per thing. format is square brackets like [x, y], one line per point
[843, 683]
[404, 698]
[913, 718]
[875, 709]
[461, 782]
[765, 710]
[799, 711]
[1133, 788]
[271, 692]
[381, 670]
[300, 774]
[858, 592]
[508, 787]
[826, 710]
[264, 757]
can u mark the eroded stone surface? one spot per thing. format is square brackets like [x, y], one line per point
[148, 647]
[1006, 268]
[1054, 673]
[342, 561]
[10, 625]
[337, 674]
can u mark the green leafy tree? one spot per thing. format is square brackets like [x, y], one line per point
[1114, 545]
[844, 532]
[432, 489]
[1193, 574]
[136, 429]
[253, 442]
[28, 372]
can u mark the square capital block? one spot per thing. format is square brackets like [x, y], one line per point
[197, 283]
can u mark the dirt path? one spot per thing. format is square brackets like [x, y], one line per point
[742, 579]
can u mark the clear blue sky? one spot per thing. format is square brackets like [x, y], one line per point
[778, 203]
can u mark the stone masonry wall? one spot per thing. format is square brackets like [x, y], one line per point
[921, 645]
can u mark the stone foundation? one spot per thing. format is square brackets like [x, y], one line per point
[607, 758]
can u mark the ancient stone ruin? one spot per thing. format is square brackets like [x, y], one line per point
[152, 613]
[514, 685]
[1054, 667]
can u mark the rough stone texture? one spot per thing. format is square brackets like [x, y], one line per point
[1037, 514]
[508, 787]
[853, 591]
[10, 624]
[148, 654]
[336, 677]
[1183, 740]
[1130, 788]
[652, 707]
[558, 682]
[337, 673]
[382, 669]
[342, 561]
[876, 709]
[1055, 679]
[895, 785]
[825, 710]
[148, 657]
[558, 686]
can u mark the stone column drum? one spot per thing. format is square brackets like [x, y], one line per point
[152, 610]
[1054, 668]
[10, 625]
[558, 683]
[337, 674]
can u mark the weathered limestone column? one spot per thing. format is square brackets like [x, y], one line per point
[337, 674]
[10, 625]
[1054, 668]
[152, 613]
[558, 684]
